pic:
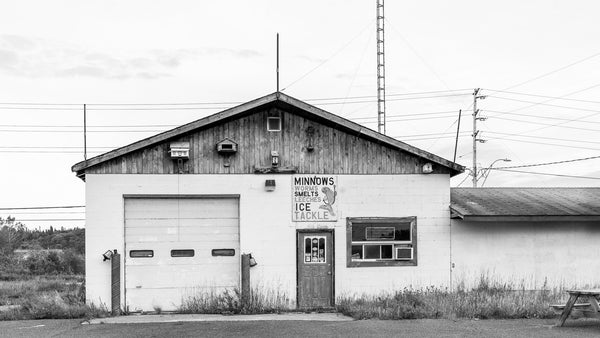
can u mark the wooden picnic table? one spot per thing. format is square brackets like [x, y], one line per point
[590, 309]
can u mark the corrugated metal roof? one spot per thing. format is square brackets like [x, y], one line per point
[525, 202]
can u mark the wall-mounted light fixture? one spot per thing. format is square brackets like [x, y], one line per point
[252, 261]
[270, 185]
[427, 168]
[108, 255]
[274, 158]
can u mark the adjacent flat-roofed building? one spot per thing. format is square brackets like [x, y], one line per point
[526, 236]
[324, 206]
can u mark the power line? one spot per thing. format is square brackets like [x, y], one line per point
[47, 213]
[543, 96]
[543, 124]
[545, 104]
[52, 147]
[553, 71]
[79, 131]
[542, 143]
[540, 137]
[410, 46]
[547, 174]
[45, 207]
[549, 163]
[50, 220]
[115, 106]
[330, 57]
[221, 108]
[537, 116]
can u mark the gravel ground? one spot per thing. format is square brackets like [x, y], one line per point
[529, 328]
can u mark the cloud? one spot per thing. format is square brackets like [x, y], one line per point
[310, 59]
[8, 58]
[39, 58]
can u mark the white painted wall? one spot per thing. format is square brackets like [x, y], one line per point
[563, 253]
[267, 230]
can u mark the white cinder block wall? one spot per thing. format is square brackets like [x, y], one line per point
[527, 253]
[267, 230]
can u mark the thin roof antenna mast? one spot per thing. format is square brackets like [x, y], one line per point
[380, 70]
[277, 62]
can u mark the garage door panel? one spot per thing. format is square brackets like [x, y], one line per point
[187, 222]
[163, 225]
[163, 236]
[182, 208]
[179, 276]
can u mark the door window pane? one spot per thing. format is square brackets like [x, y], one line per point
[314, 249]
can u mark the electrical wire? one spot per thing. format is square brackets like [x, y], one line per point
[543, 96]
[550, 163]
[45, 207]
[545, 104]
[541, 123]
[330, 57]
[547, 174]
[541, 137]
[536, 116]
[50, 220]
[553, 71]
[542, 143]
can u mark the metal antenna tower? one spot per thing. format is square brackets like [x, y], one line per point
[380, 69]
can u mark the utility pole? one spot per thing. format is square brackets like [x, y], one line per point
[476, 96]
[277, 71]
[380, 69]
[84, 133]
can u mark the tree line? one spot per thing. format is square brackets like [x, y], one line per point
[25, 251]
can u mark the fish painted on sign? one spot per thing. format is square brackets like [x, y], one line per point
[329, 199]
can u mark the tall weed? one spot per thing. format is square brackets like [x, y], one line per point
[488, 299]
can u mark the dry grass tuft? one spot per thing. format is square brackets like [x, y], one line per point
[485, 301]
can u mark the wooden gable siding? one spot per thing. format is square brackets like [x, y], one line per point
[335, 151]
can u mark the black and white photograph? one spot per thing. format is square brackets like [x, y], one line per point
[357, 168]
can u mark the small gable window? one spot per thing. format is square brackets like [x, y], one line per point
[274, 121]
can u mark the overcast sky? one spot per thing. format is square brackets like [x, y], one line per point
[538, 62]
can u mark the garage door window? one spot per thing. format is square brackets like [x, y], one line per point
[141, 253]
[381, 241]
[182, 253]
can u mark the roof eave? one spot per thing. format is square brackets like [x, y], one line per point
[530, 218]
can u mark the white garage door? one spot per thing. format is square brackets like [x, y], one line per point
[178, 248]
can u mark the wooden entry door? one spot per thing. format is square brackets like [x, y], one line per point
[315, 269]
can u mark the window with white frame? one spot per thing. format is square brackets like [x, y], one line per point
[381, 241]
[274, 121]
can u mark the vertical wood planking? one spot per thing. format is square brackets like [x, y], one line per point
[335, 151]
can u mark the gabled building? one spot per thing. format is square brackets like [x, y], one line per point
[324, 206]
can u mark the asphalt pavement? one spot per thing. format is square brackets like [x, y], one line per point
[530, 328]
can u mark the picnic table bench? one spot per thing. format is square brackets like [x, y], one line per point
[590, 309]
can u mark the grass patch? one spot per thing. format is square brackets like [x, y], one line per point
[46, 297]
[488, 300]
[230, 302]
